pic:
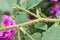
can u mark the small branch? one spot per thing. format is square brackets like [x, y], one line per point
[20, 8]
[37, 12]
[26, 33]
[31, 22]
[9, 27]
[18, 33]
[40, 19]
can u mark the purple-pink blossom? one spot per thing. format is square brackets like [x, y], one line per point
[55, 7]
[7, 20]
[30, 17]
[7, 34]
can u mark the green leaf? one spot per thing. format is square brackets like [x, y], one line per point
[7, 5]
[36, 36]
[58, 15]
[53, 33]
[32, 29]
[41, 25]
[27, 38]
[23, 3]
[29, 4]
[0, 17]
[21, 17]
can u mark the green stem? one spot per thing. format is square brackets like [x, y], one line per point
[20, 8]
[18, 35]
[37, 12]
[31, 22]
[26, 33]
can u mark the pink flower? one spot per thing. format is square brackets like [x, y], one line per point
[55, 7]
[7, 34]
[7, 20]
[30, 17]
